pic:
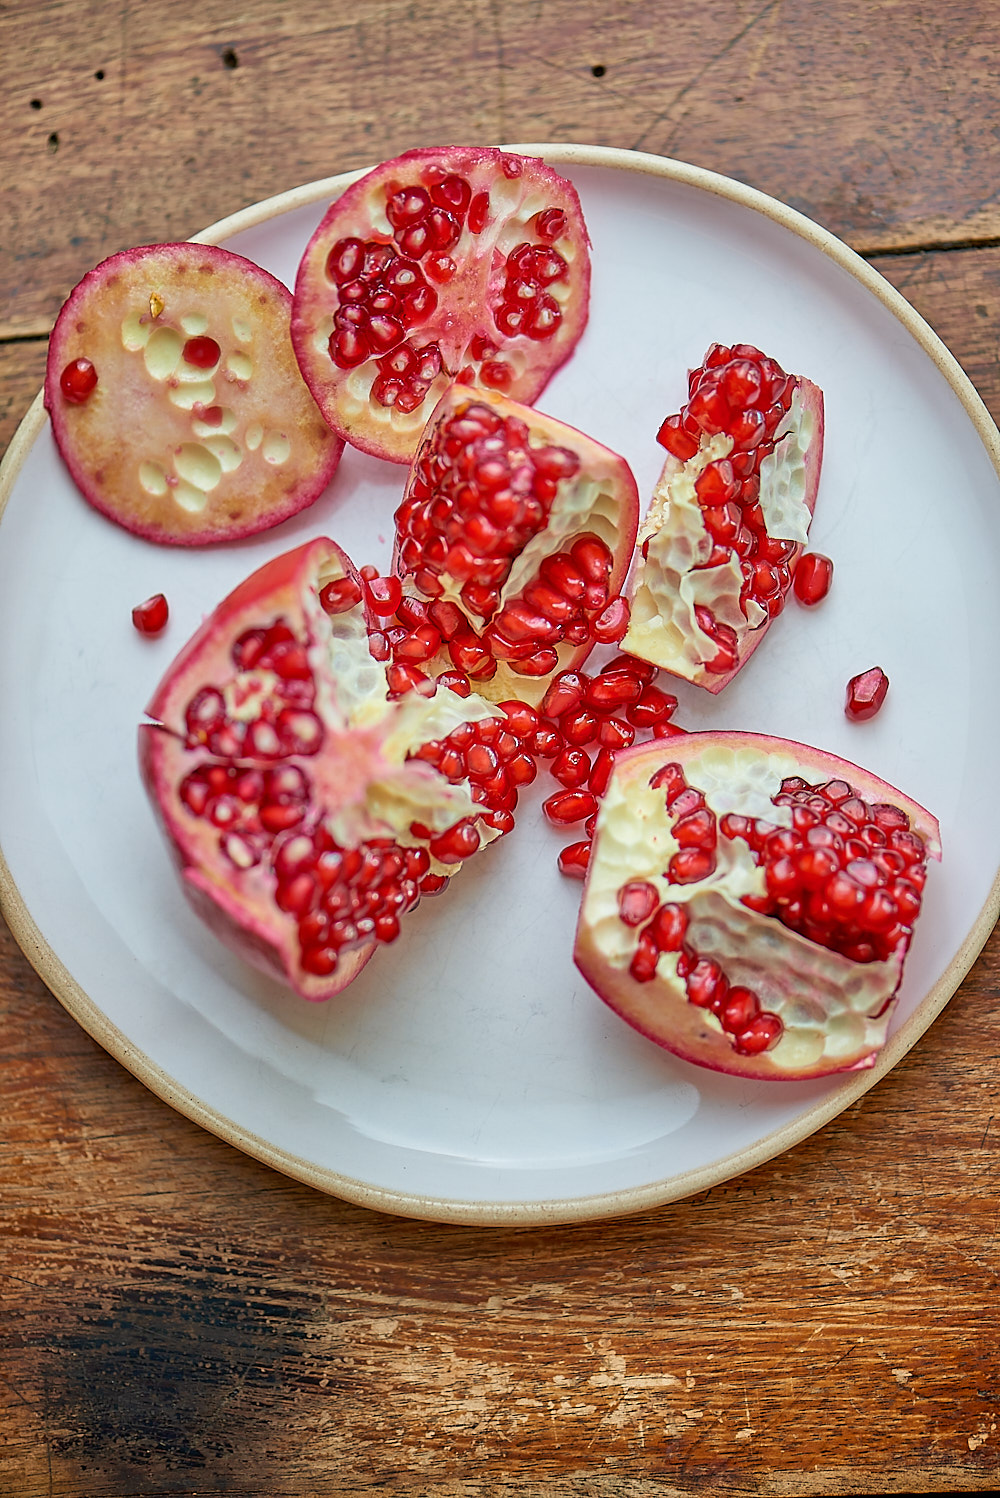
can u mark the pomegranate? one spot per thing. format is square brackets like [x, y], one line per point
[749, 902]
[307, 811]
[176, 400]
[729, 517]
[514, 535]
[463, 262]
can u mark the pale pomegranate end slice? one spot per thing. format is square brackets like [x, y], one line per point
[729, 517]
[304, 807]
[516, 533]
[750, 902]
[176, 401]
[459, 262]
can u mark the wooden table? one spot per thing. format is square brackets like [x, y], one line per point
[180, 1319]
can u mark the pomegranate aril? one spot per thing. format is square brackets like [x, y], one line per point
[812, 578]
[612, 623]
[456, 843]
[567, 807]
[150, 618]
[636, 902]
[600, 775]
[865, 694]
[651, 707]
[571, 767]
[575, 858]
[78, 381]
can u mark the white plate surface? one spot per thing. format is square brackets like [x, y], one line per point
[470, 1074]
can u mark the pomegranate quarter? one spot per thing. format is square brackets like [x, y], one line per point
[458, 263]
[729, 516]
[515, 533]
[302, 806]
[176, 401]
[749, 902]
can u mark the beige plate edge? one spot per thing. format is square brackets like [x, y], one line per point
[576, 1209]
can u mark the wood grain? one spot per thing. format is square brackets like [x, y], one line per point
[178, 1319]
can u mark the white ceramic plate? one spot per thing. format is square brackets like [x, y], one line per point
[470, 1074]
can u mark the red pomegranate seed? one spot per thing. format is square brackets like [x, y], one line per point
[651, 707]
[78, 381]
[578, 727]
[565, 693]
[636, 902]
[690, 865]
[202, 352]
[612, 623]
[600, 775]
[571, 767]
[812, 578]
[760, 1035]
[866, 694]
[382, 594]
[668, 928]
[151, 617]
[567, 807]
[456, 843]
[574, 858]
[340, 595]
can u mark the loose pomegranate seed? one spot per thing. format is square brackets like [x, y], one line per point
[78, 381]
[151, 617]
[382, 594]
[612, 623]
[574, 858]
[567, 807]
[812, 578]
[866, 694]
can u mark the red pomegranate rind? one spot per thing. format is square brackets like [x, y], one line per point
[769, 864]
[729, 517]
[457, 262]
[289, 785]
[522, 528]
[196, 425]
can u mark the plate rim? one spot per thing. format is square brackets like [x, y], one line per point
[600, 1205]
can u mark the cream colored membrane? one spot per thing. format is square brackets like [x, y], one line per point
[254, 436]
[783, 475]
[242, 330]
[671, 583]
[398, 790]
[239, 365]
[826, 1014]
[194, 324]
[275, 448]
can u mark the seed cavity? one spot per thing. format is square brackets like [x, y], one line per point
[153, 479]
[162, 352]
[276, 448]
[239, 365]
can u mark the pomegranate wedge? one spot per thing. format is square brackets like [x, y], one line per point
[729, 516]
[298, 800]
[516, 532]
[461, 263]
[176, 400]
[750, 901]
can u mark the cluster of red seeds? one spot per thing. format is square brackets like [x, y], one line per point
[751, 1028]
[386, 290]
[339, 897]
[478, 493]
[492, 756]
[745, 394]
[285, 722]
[846, 875]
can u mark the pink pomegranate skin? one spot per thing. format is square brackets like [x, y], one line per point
[677, 574]
[849, 1002]
[342, 739]
[464, 326]
[175, 445]
[610, 512]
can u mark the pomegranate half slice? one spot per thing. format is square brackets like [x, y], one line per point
[750, 901]
[303, 818]
[176, 401]
[463, 262]
[729, 516]
[516, 531]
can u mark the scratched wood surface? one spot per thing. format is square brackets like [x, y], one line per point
[177, 1318]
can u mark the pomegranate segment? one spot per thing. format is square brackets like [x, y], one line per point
[729, 517]
[464, 263]
[750, 901]
[515, 533]
[302, 806]
[175, 397]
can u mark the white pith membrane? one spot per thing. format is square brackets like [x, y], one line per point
[670, 583]
[834, 1011]
[361, 776]
[175, 451]
[346, 394]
